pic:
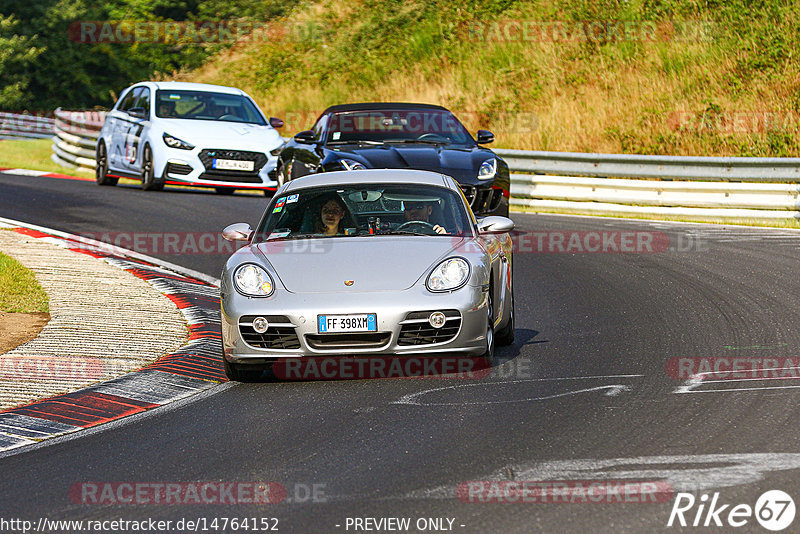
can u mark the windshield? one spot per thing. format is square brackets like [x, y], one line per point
[203, 105]
[398, 126]
[365, 210]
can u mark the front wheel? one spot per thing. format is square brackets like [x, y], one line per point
[490, 336]
[101, 166]
[149, 182]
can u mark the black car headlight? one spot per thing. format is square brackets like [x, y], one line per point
[488, 169]
[173, 142]
[352, 165]
[451, 274]
[253, 281]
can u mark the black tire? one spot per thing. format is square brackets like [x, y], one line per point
[242, 373]
[505, 336]
[101, 166]
[149, 181]
[224, 190]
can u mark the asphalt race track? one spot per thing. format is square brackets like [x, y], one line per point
[590, 391]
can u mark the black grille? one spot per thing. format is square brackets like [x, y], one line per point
[178, 168]
[280, 336]
[217, 177]
[418, 331]
[273, 174]
[482, 200]
[209, 154]
[348, 341]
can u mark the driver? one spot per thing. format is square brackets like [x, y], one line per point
[421, 211]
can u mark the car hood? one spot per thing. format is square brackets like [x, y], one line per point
[462, 163]
[221, 134]
[377, 263]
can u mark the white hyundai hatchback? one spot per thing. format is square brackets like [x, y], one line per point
[188, 134]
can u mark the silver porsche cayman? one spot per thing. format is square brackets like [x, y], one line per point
[366, 263]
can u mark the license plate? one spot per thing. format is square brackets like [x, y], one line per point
[358, 322]
[232, 164]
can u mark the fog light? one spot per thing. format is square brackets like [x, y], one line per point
[260, 324]
[437, 319]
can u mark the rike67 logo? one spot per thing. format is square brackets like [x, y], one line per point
[774, 510]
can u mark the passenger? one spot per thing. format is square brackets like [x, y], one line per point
[333, 216]
[166, 109]
[421, 211]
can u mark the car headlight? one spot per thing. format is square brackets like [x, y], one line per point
[352, 165]
[252, 281]
[277, 151]
[173, 142]
[451, 274]
[488, 169]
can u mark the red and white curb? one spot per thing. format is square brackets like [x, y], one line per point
[193, 368]
[44, 174]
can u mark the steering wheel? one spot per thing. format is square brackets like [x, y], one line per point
[410, 224]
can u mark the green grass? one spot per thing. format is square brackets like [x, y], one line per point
[35, 155]
[19, 290]
[717, 79]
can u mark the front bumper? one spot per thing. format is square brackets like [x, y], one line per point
[298, 313]
[186, 167]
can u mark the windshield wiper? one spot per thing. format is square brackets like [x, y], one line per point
[426, 141]
[358, 142]
[406, 232]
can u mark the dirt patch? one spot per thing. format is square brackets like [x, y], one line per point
[19, 328]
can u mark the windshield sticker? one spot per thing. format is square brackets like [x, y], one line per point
[292, 198]
[336, 135]
[277, 209]
[281, 202]
[175, 97]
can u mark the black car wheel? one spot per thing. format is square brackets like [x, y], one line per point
[506, 335]
[149, 182]
[101, 166]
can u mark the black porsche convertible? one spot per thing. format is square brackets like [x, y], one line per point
[400, 136]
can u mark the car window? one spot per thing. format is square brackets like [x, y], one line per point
[319, 127]
[367, 210]
[206, 105]
[406, 125]
[130, 99]
[144, 100]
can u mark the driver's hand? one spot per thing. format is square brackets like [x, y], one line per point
[439, 230]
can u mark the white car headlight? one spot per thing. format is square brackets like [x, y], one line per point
[173, 142]
[253, 281]
[451, 274]
[352, 165]
[488, 169]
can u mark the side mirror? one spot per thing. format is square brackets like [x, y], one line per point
[275, 122]
[306, 136]
[495, 224]
[237, 232]
[139, 113]
[485, 137]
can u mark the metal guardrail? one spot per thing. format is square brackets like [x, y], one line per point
[24, 126]
[75, 139]
[707, 187]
